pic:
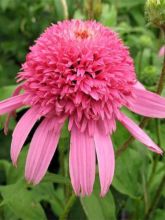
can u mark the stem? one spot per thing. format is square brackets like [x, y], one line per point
[157, 157]
[62, 161]
[68, 207]
[158, 132]
[162, 76]
[90, 9]
[65, 9]
[116, 4]
[145, 190]
[140, 62]
[155, 199]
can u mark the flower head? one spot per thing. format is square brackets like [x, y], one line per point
[155, 11]
[80, 71]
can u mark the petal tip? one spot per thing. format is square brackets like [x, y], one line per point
[14, 161]
[30, 181]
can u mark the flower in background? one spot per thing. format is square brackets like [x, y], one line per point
[162, 51]
[80, 72]
[155, 12]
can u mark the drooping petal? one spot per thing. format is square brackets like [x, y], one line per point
[82, 161]
[147, 104]
[11, 104]
[15, 93]
[106, 158]
[139, 134]
[22, 130]
[42, 149]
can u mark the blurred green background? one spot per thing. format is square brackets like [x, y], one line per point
[138, 190]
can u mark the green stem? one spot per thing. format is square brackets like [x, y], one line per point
[162, 76]
[158, 132]
[90, 5]
[140, 62]
[117, 4]
[62, 161]
[155, 162]
[68, 207]
[65, 9]
[145, 190]
[155, 199]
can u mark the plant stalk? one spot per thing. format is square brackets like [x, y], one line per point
[68, 207]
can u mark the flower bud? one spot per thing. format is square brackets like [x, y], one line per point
[145, 41]
[155, 12]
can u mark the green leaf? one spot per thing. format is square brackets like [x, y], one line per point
[77, 212]
[45, 192]
[5, 165]
[159, 214]
[98, 208]
[4, 4]
[21, 202]
[16, 173]
[128, 3]
[127, 171]
[158, 175]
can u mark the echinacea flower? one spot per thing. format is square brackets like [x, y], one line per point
[78, 71]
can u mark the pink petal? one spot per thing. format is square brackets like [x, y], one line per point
[139, 134]
[147, 104]
[106, 159]
[22, 130]
[162, 51]
[42, 149]
[11, 104]
[82, 161]
[139, 85]
[15, 93]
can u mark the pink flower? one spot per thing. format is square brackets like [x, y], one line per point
[162, 51]
[80, 72]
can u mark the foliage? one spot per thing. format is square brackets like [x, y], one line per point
[138, 172]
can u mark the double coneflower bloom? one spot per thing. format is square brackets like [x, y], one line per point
[78, 71]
